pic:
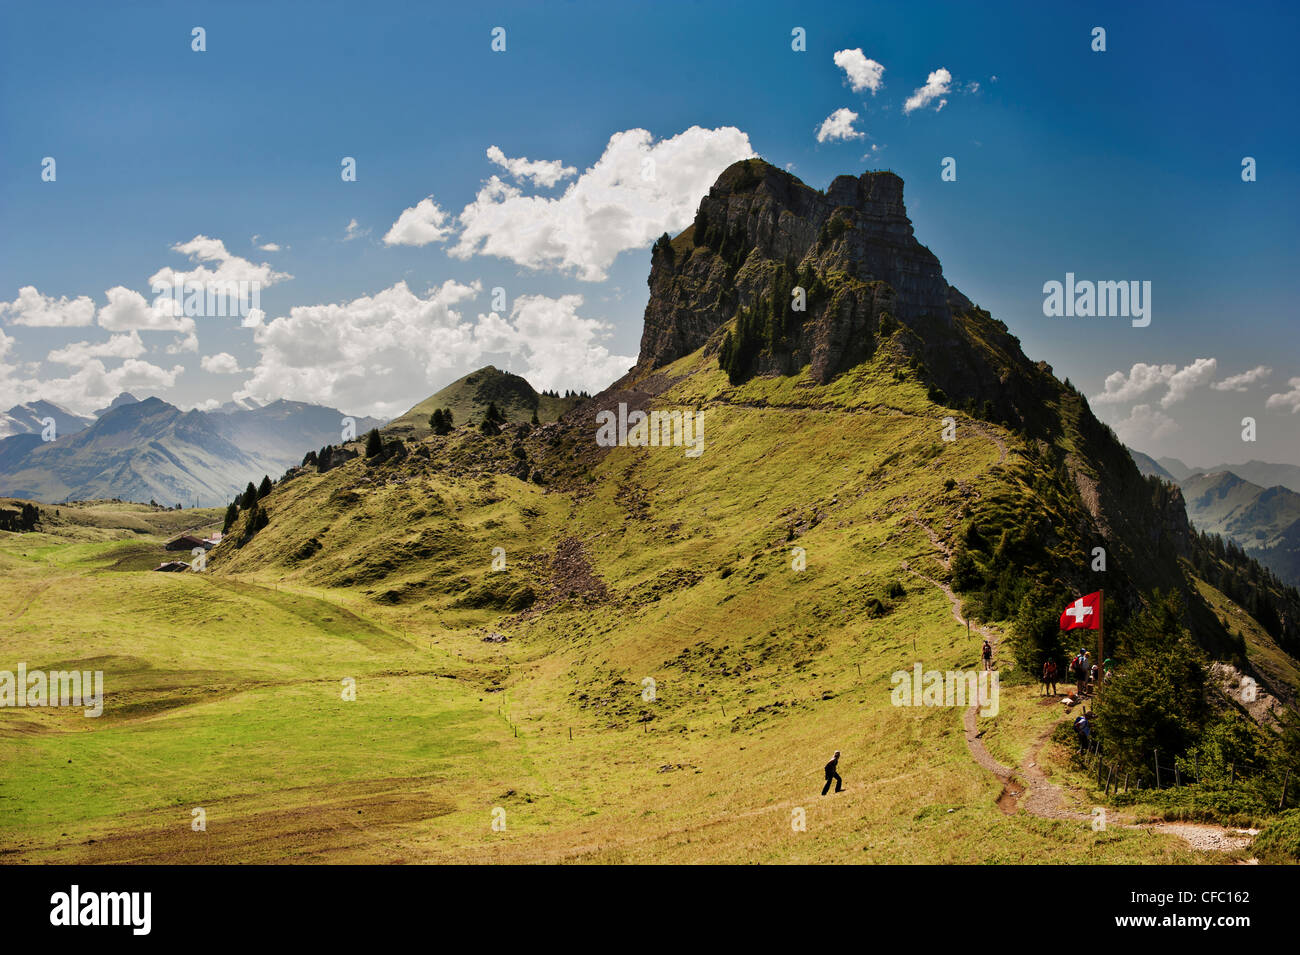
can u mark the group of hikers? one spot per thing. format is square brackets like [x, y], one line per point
[1083, 673]
[1086, 676]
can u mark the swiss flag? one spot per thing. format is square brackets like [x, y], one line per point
[1084, 613]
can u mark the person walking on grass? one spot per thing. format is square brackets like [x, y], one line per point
[832, 773]
[988, 655]
[1049, 678]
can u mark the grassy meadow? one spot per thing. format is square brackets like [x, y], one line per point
[224, 690]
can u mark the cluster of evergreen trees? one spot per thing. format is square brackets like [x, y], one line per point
[323, 459]
[493, 419]
[713, 235]
[23, 519]
[663, 246]
[1274, 604]
[1158, 701]
[553, 393]
[250, 503]
[1156, 698]
[772, 324]
[441, 421]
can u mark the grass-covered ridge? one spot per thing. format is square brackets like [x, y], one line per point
[621, 566]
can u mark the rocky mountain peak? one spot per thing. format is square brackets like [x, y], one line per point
[758, 234]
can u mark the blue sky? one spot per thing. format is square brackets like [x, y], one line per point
[1115, 165]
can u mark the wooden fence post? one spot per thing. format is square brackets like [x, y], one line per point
[1157, 752]
[1282, 802]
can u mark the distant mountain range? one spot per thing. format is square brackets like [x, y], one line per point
[31, 417]
[1257, 472]
[1264, 519]
[151, 450]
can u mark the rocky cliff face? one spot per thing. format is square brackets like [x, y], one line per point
[760, 234]
[856, 236]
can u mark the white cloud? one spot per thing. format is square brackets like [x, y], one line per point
[34, 309]
[863, 74]
[838, 126]
[937, 86]
[1288, 400]
[381, 354]
[543, 172]
[254, 318]
[421, 224]
[230, 268]
[354, 230]
[636, 191]
[270, 247]
[561, 350]
[1186, 380]
[1243, 381]
[1142, 378]
[128, 310]
[367, 355]
[186, 343]
[222, 363]
[1145, 425]
[117, 346]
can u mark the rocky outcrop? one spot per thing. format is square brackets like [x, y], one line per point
[760, 234]
[856, 238]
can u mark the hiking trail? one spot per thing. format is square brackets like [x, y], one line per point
[1028, 787]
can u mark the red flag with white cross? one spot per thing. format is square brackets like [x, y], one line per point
[1084, 613]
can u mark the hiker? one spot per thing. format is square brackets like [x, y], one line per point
[988, 655]
[1049, 678]
[831, 773]
[1082, 730]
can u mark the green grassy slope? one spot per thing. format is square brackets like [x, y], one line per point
[468, 399]
[224, 688]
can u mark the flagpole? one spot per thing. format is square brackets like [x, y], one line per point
[1101, 637]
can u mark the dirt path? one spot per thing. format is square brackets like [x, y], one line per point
[1027, 788]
